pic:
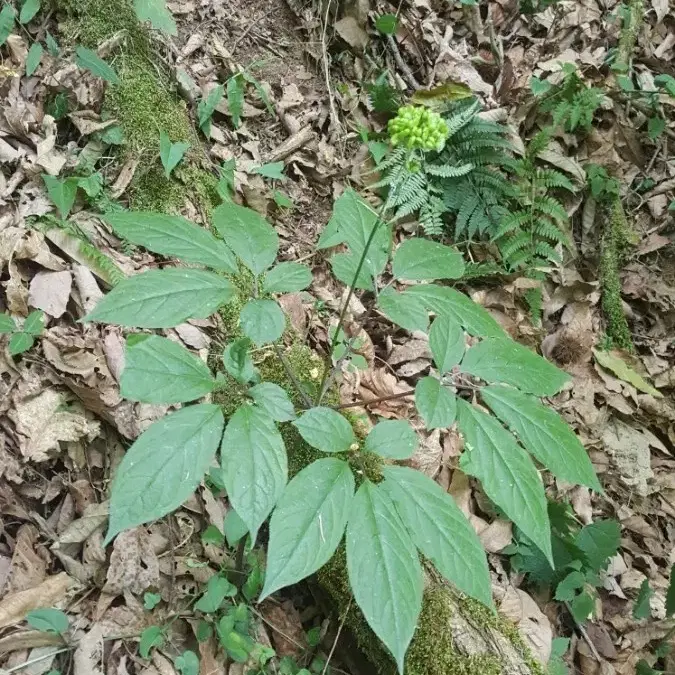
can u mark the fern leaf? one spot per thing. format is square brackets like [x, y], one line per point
[445, 171]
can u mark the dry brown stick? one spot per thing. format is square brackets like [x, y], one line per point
[403, 66]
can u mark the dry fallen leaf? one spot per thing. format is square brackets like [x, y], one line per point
[52, 591]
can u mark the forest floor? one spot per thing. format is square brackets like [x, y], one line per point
[306, 106]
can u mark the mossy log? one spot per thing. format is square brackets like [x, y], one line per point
[456, 636]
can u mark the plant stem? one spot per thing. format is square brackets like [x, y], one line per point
[352, 288]
[239, 557]
[370, 401]
[296, 383]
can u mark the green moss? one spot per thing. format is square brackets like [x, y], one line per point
[616, 238]
[632, 18]
[144, 103]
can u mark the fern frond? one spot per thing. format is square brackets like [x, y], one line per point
[459, 119]
[431, 216]
[548, 230]
[546, 251]
[446, 171]
[550, 178]
[513, 222]
[551, 207]
[518, 242]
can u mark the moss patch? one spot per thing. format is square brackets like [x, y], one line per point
[616, 239]
[144, 103]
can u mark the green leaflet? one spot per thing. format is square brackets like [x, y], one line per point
[187, 663]
[273, 400]
[384, 570]
[91, 61]
[170, 153]
[386, 23]
[207, 106]
[344, 266]
[35, 322]
[436, 404]
[543, 433]
[156, 12]
[506, 473]
[48, 620]
[255, 467]
[308, 523]
[503, 360]
[642, 609]
[422, 259]
[173, 236]
[599, 541]
[164, 466]
[7, 324]
[237, 360]
[403, 310]
[392, 438]
[443, 300]
[62, 191]
[446, 341]
[159, 370]
[163, 298]
[248, 234]
[273, 170]
[151, 637]
[6, 22]
[217, 589]
[670, 593]
[262, 321]
[352, 223]
[287, 277]
[28, 10]
[325, 430]
[440, 530]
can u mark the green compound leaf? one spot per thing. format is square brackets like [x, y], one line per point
[34, 323]
[503, 360]
[262, 321]
[255, 468]
[352, 223]
[325, 430]
[170, 153]
[421, 259]
[446, 341]
[392, 438]
[20, 342]
[156, 12]
[403, 310]
[28, 10]
[308, 523]
[287, 277]
[436, 404]
[164, 466]
[442, 300]
[543, 433]
[48, 620]
[506, 473]
[62, 191]
[248, 234]
[599, 541]
[237, 360]
[384, 569]
[173, 236]
[440, 530]
[163, 298]
[273, 400]
[91, 61]
[159, 370]
[6, 22]
[217, 589]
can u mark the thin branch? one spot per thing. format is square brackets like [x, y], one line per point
[296, 383]
[370, 401]
[405, 69]
[337, 636]
[37, 659]
[584, 635]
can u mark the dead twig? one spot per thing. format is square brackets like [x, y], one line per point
[406, 73]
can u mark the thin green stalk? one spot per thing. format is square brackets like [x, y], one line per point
[352, 287]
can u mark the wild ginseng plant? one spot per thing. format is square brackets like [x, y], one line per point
[388, 515]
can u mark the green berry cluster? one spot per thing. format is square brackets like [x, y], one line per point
[418, 127]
